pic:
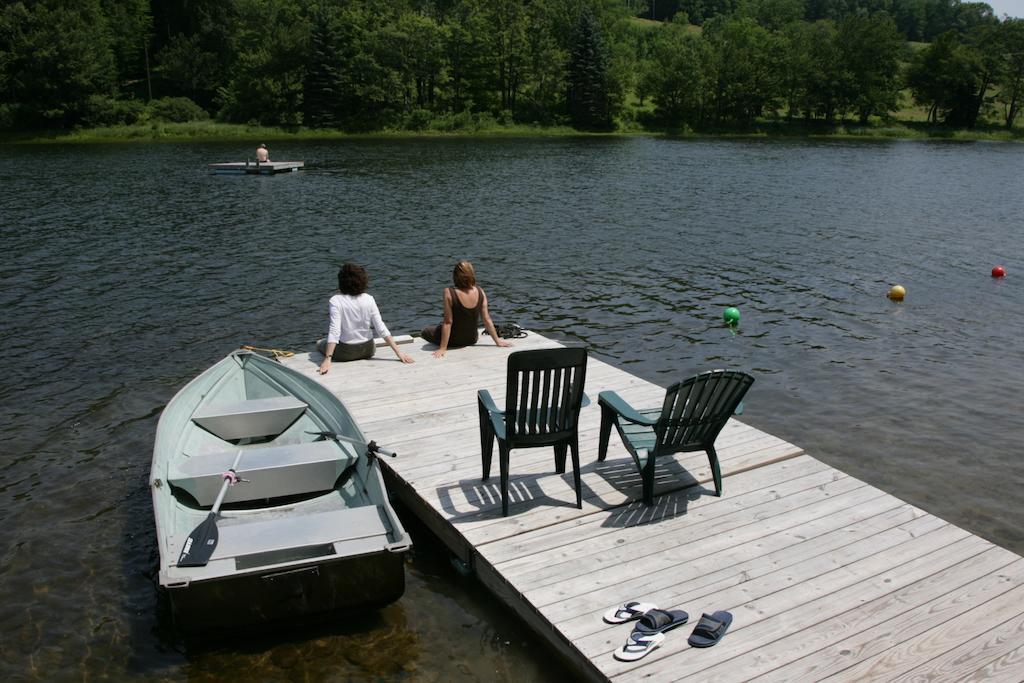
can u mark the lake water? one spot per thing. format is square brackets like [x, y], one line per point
[127, 270]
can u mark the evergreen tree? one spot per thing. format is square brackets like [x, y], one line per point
[322, 87]
[589, 92]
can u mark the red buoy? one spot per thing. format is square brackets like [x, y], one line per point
[998, 271]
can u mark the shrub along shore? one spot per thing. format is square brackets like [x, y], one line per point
[211, 131]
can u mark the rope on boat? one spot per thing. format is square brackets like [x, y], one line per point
[278, 353]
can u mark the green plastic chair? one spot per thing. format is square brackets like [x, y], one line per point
[690, 418]
[543, 396]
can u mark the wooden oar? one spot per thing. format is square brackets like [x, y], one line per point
[201, 543]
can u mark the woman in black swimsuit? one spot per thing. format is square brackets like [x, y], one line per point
[465, 305]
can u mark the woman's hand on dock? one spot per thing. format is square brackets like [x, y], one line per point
[325, 365]
[439, 353]
[405, 358]
[502, 342]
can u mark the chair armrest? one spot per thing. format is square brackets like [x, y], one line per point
[483, 397]
[612, 401]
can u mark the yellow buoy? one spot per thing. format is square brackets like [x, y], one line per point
[897, 292]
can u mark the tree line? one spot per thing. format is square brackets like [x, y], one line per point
[918, 20]
[447, 64]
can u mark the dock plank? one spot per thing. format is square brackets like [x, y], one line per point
[826, 575]
[562, 541]
[830, 646]
[675, 544]
[982, 630]
[810, 589]
[781, 550]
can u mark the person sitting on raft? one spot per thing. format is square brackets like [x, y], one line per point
[465, 305]
[352, 313]
[262, 155]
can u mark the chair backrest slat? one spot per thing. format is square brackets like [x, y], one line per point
[696, 410]
[535, 406]
[563, 417]
[524, 395]
[704, 411]
[544, 419]
[543, 393]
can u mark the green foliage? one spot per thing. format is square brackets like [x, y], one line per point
[772, 14]
[417, 119]
[700, 11]
[540, 98]
[590, 87]
[676, 76]
[942, 78]
[824, 79]
[194, 46]
[1010, 92]
[56, 56]
[176, 110]
[193, 70]
[920, 20]
[870, 49]
[464, 121]
[953, 76]
[415, 45]
[322, 85]
[271, 42]
[103, 110]
[744, 78]
[129, 25]
[470, 65]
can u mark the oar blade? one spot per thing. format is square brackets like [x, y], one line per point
[200, 544]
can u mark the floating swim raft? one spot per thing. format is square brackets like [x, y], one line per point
[256, 167]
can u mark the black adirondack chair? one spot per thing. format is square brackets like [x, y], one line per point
[543, 395]
[692, 415]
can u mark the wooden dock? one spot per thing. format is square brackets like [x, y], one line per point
[825, 575]
[255, 167]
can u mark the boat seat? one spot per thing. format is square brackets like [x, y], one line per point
[272, 471]
[253, 544]
[336, 526]
[249, 419]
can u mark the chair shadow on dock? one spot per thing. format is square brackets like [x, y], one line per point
[525, 492]
[473, 498]
[675, 488]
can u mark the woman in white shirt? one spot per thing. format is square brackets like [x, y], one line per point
[352, 313]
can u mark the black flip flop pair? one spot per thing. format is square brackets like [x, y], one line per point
[653, 623]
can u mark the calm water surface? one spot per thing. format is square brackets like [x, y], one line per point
[127, 270]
